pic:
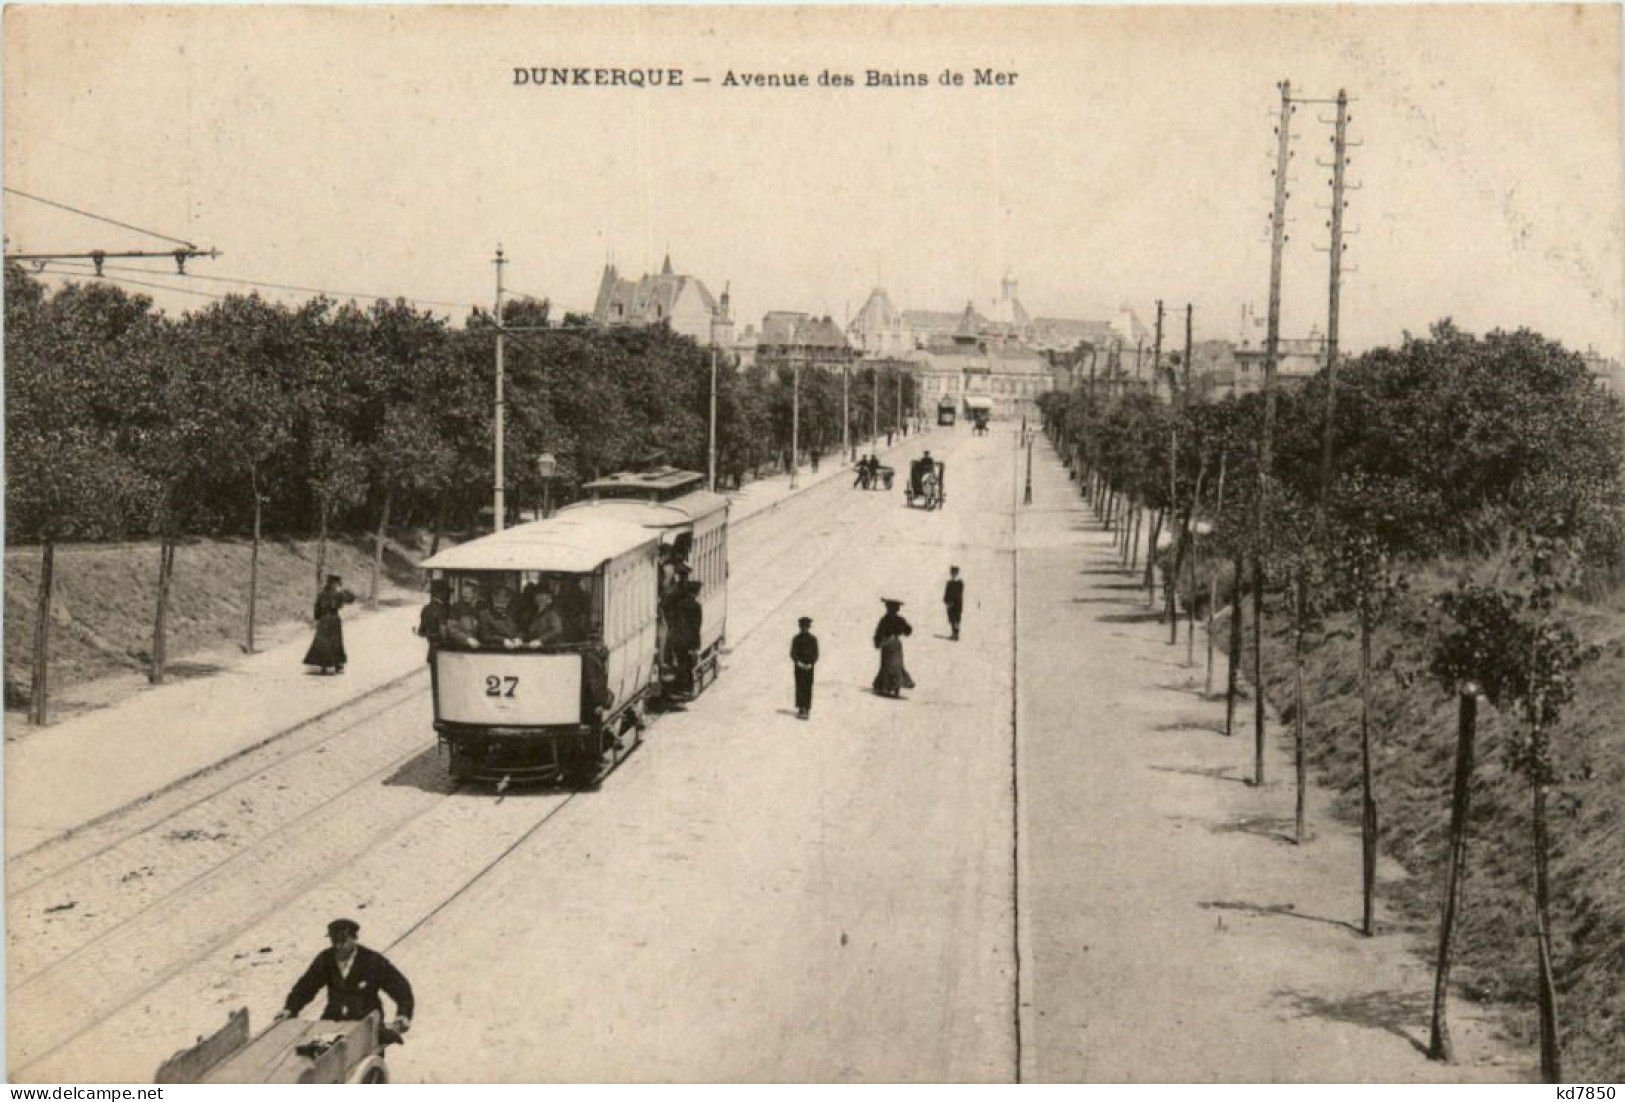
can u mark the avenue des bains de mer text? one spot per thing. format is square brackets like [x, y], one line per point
[591, 76]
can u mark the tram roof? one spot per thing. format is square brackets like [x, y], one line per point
[654, 514]
[658, 484]
[575, 544]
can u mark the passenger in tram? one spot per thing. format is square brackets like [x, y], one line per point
[463, 624]
[575, 610]
[547, 625]
[527, 608]
[497, 626]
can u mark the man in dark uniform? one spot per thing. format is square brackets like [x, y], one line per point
[954, 597]
[687, 618]
[354, 976]
[435, 615]
[804, 654]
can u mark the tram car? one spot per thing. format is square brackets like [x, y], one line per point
[946, 411]
[693, 528]
[563, 632]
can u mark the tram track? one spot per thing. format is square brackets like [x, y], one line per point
[128, 956]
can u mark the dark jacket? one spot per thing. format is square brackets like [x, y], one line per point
[432, 620]
[351, 998]
[804, 648]
[954, 594]
[892, 624]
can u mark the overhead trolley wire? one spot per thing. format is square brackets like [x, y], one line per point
[286, 287]
[99, 217]
[135, 282]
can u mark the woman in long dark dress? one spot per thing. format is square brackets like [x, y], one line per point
[893, 676]
[327, 649]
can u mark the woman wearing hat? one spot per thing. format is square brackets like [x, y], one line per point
[326, 651]
[893, 676]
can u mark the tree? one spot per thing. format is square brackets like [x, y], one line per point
[1511, 643]
[1374, 523]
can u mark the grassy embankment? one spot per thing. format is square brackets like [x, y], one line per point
[1415, 740]
[102, 610]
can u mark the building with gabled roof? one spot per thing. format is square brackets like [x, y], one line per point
[792, 337]
[682, 302]
[878, 330]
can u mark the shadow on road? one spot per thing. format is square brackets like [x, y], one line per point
[1382, 1010]
[1286, 910]
[1217, 773]
[1191, 725]
[185, 671]
[1150, 617]
[1260, 826]
[425, 771]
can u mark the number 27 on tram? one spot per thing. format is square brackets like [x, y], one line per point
[549, 651]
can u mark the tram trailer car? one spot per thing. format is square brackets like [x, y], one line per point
[524, 713]
[692, 524]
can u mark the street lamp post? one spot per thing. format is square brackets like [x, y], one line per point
[545, 466]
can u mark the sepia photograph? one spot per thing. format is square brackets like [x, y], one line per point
[772, 544]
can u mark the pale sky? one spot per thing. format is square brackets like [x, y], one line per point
[388, 151]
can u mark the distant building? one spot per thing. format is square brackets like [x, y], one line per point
[681, 302]
[968, 363]
[925, 326]
[1007, 319]
[878, 330]
[790, 337]
[1296, 359]
[1605, 372]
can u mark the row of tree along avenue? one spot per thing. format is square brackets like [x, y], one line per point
[1445, 526]
[249, 417]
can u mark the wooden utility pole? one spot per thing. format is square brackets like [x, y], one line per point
[498, 506]
[711, 441]
[1156, 355]
[1271, 352]
[1185, 401]
[1339, 161]
[846, 414]
[795, 420]
[874, 409]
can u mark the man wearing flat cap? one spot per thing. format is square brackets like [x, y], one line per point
[804, 656]
[354, 977]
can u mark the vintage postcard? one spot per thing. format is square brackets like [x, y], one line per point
[813, 544]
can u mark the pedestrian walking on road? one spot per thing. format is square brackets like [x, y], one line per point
[354, 976]
[893, 676]
[804, 655]
[954, 597]
[326, 651]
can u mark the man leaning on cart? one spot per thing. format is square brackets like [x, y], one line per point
[353, 975]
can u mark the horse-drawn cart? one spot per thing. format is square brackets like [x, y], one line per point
[925, 488]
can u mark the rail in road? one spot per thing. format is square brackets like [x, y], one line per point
[222, 857]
